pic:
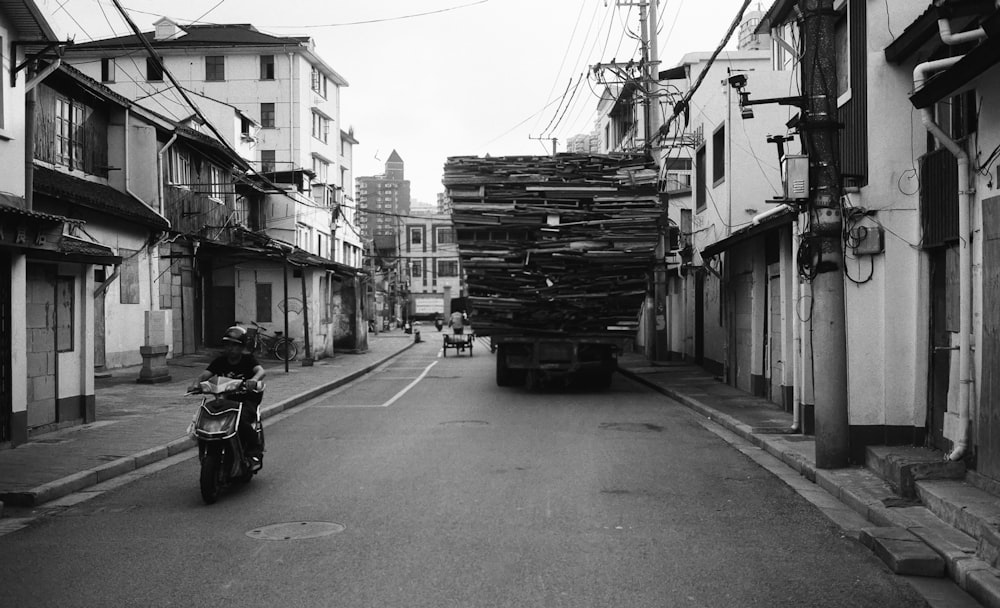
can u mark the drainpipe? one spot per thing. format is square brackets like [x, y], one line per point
[796, 338]
[920, 74]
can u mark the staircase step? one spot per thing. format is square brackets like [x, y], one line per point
[902, 466]
[903, 552]
[967, 508]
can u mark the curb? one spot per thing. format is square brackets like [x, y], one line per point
[967, 572]
[78, 481]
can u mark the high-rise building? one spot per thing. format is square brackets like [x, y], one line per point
[584, 143]
[382, 200]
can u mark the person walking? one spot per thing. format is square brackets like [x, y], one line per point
[457, 322]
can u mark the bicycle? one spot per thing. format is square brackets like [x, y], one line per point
[260, 342]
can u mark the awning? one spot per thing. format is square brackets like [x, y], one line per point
[40, 235]
[773, 222]
[72, 249]
[72, 190]
[260, 248]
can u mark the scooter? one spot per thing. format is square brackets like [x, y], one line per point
[221, 450]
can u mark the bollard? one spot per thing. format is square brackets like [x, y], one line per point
[416, 335]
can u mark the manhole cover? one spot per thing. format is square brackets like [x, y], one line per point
[632, 427]
[296, 530]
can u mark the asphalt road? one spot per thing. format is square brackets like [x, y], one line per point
[426, 485]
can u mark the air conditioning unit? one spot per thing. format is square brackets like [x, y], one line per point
[795, 172]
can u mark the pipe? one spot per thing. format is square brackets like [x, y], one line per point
[964, 257]
[760, 217]
[944, 27]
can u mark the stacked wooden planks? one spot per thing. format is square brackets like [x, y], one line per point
[561, 243]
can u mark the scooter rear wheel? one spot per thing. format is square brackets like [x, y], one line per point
[210, 466]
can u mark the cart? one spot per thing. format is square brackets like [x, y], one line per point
[459, 342]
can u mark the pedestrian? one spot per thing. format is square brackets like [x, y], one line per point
[457, 322]
[236, 363]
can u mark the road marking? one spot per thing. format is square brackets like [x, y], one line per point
[410, 385]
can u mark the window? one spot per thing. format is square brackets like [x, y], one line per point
[842, 50]
[267, 161]
[70, 117]
[445, 236]
[699, 178]
[322, 170]
[267, 115]
[320, 127]
[180, 168]
[264, 302]
[217, 182]
[719, 155]
[154, 70]
[108, 69]
[319, 82]
[416, 268]
[267, 67]
[215, 68]
[416, 236]
[956, 116]
[447, 268]
[129, 277]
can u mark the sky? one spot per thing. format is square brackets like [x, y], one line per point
[438, 78]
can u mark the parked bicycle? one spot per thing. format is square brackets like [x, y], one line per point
[261, 342]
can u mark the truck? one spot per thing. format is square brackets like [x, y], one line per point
[558, 252]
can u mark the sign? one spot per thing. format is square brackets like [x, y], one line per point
[427, 306]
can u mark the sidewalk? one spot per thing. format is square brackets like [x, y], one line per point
[948, 528]
[139, 424]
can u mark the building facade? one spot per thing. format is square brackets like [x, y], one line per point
[430, 265]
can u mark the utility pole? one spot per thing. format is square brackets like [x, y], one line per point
[829, 336]
[651, 112]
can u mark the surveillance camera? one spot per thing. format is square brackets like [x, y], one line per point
[738, 81]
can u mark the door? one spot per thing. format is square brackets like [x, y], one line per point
[699, 318]
[6, 402]
[988, 424]
[741, 303]
[221, 313]
[773, 329]
[99, 345]
[41, 334]
[943, 330]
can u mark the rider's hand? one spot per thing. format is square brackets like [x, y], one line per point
[252, 385]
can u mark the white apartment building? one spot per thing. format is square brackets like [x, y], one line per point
[290, 95]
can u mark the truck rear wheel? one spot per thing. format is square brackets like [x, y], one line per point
[504, 373]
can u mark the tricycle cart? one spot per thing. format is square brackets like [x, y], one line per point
[459, 342]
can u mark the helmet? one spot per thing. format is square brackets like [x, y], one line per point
[235, 335]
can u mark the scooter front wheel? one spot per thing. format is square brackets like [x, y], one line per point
[210, 466]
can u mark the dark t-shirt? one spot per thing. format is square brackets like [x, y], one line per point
[241, 370]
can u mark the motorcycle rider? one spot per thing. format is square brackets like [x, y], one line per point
[236, 363]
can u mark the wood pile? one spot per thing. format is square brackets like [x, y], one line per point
[561, 243]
